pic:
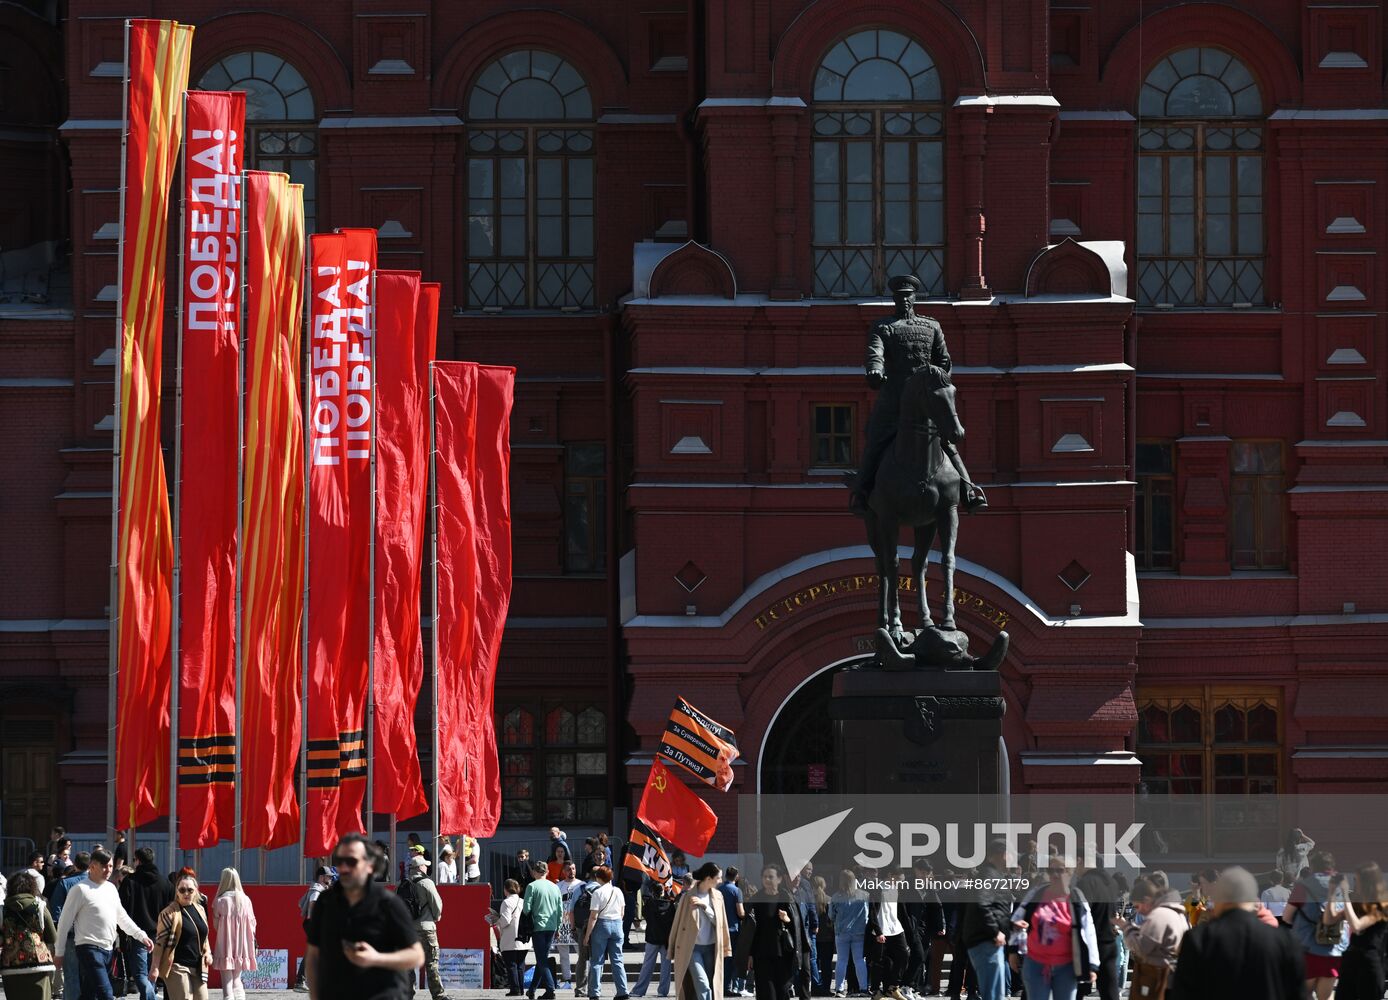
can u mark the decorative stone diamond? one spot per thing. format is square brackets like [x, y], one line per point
[690, 576]
[1074, 576]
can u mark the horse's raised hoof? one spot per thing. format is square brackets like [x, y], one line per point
[889, 653]
[992, 659]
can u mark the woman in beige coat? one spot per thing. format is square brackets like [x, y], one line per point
[181, 953]
[699, 938]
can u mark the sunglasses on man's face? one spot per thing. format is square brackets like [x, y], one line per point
[345, 862]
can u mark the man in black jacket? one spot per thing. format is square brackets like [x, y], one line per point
[1102, 894]
[143, 894]
[1234, 954]
[986, 923]
[927, 914]
[773, 937]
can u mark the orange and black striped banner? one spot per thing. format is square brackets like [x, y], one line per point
[209, 349]
[703, 747]
[646, 856]
[272, 558]
[157, 73]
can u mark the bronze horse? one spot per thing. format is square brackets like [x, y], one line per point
[917, 485]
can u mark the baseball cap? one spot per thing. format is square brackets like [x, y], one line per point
[419, 862]
[416, 848]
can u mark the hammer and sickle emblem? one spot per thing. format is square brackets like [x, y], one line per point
[660, 781]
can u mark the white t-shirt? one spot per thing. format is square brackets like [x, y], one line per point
[608, 903]
[887, 923]
[567, 893]
[706, 928]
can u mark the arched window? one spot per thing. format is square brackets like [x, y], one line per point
[280, 118]
[1200, 238]
[530, 185]
[878, 166]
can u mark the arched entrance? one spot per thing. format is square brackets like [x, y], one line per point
[798, 754]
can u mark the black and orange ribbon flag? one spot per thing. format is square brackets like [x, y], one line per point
[703, 747]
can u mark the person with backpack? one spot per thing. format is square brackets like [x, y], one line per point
[1061, 947]
[577, 908]
[421, 898]
[1320, 929]
[29, 936]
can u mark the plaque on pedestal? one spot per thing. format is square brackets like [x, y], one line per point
[918, 731]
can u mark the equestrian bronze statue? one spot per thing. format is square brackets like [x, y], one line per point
[913, 475]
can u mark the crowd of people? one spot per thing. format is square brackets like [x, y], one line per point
[1303, 931]
[89, 926]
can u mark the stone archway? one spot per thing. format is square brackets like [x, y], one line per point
[801, 737]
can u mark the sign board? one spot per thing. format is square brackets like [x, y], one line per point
[272, 970]
[462, 968]
[819, 777]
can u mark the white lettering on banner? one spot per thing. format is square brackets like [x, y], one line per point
[213, 224]
[359, 360]
[328, 336]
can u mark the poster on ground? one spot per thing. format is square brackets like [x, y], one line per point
[272, 970]
[461, 968]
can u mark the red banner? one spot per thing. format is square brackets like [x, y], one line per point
[674, 813]
[492, 510]
[401, 493]
[157, 70]
[209, 346]
[327, 534]
[340, 533]
[272, 577]
[358, 302]
[455, 396]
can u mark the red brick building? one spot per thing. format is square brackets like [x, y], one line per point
[1150, 232]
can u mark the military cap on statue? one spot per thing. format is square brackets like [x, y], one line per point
[904, 283]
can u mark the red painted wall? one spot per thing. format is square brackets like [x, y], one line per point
[278, 924]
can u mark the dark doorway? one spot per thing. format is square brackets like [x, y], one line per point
[799, 755]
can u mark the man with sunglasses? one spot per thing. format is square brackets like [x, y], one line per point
[362, 943]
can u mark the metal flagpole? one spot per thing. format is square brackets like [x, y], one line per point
[436, 814]
[240, 521]
[177, 503]
[113, 666]
[303, 629]
[370, 817]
